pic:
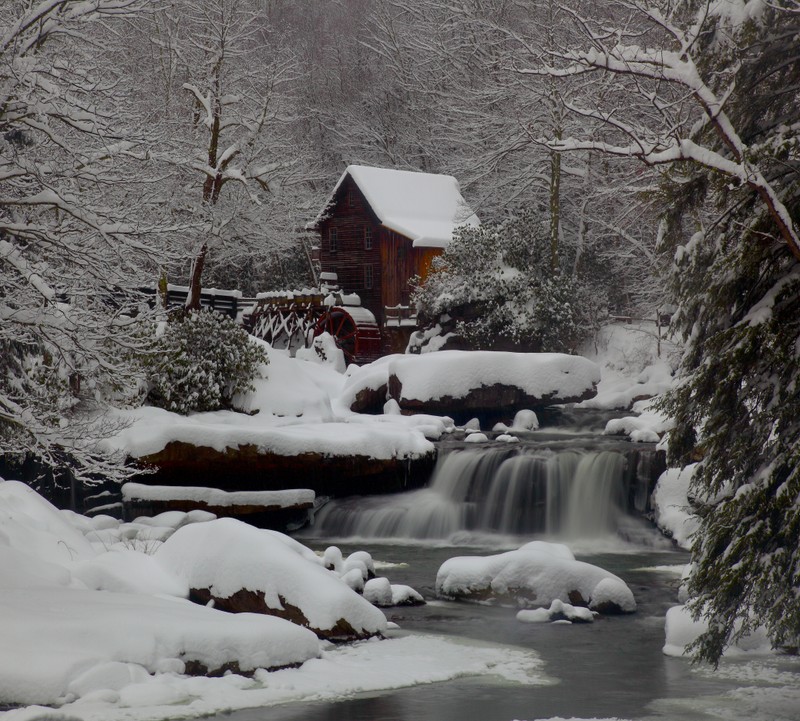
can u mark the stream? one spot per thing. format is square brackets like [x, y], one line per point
[481, 501]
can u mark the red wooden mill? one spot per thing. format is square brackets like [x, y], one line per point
[379, 229]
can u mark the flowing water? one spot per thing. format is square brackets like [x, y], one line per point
[499, 498]
[497, 490]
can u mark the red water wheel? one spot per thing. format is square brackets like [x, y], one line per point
[340, 324]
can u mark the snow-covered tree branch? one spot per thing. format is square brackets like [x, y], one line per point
[690, 99]
[72, 235]
[708, 92]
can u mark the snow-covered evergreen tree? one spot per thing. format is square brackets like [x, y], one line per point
[498, 283]
[738, 280]
[712, 97]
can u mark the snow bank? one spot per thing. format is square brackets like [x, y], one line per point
[226, 556]
[632, 368]
[291, 388]
[111, 655]
[535, 575]
[340, 672]
[29, 524]
[51, 639]
[70, 607]
[671, 505]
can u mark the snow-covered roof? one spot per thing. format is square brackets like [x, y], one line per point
[421, 206]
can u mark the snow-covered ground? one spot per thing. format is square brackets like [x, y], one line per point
[96, 619]
[96, 622]
[302, 406]
[636, 366]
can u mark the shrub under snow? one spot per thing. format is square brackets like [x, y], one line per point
[201, 361]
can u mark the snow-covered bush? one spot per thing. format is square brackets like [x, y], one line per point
[201, 360]
[497, 286]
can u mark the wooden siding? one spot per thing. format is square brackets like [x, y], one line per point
[349, 217]
[401, 261]
[392, 257]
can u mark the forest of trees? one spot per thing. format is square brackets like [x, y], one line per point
[655, 143]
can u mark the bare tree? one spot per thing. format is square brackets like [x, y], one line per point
[674, 112]
[222, 106]
[71, 229]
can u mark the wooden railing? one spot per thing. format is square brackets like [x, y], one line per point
[396, 316]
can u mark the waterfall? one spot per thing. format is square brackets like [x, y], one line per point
[514, 491]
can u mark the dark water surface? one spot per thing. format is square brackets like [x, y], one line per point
[611, 668]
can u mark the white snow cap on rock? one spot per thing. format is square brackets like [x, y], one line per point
[454, 373]
[227, 556]
[421, 206]
[534, 575]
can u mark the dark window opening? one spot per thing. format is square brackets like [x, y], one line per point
[368, 276]
[333, 240]
[367, 237]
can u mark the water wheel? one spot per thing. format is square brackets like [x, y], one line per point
[340, 324]
[354, 330]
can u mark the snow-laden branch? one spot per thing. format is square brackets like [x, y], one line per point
[670, 68]
[204, 101]
[11, 255]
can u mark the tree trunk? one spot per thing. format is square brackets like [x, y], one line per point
[193, 297]
[555, 205]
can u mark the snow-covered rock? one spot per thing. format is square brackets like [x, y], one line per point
[476, 438]
[61, 636]
[468, 383]
[534, 575]
[478, 381]
[558, 611]
[524, 420]
[242, 568]
[649, 426]
[380, 592]
[403, 595]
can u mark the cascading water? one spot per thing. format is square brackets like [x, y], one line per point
[576, 494]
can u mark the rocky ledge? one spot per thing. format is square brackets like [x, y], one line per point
[248, 467]
[489, 385]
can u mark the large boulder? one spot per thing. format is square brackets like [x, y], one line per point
[244, 569]
[464, 384]
[533, 576]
